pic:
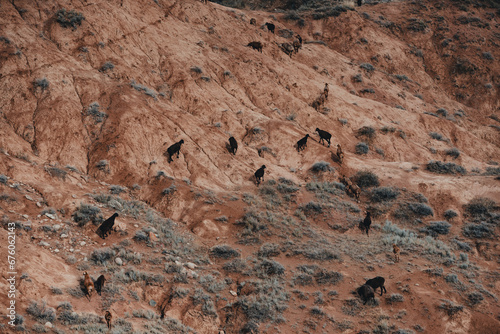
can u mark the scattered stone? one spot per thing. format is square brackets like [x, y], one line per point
[83, 243]
[56, 250]
[28, 197]
[178, 262]
[64, 235]
[48, 324]
[152, 237]
[191, 265]
[152, 303]
[233, 293]
[120, 227]
[39, 204]
[135, 225]
[192, 274]
[25, 216]
[51, 216]
[74, 196]
[56, 227]
[71, 250]
[118, 261]
[43, 243]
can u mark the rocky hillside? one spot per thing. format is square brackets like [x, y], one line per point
[94, 92]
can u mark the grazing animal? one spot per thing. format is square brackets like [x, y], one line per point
[299, 38]
[105, 228]
[324, 135]
[340, 154]
[366, 293]
[360, 2]
[174, 149]
[259, 174]
[396, 250]
[270, 27]
[356, 191]
[99, 284]
[296, 46]
[89, 285]
[256, 46]
[302, 144]
[233, 145]
[253, 21]
[108, 318]
[377, 282]
[287, 48]
[316, 105]
[365, 224]
[326, 90]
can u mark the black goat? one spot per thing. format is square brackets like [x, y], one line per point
[233, 145]
[174, 149]
[365, 224]
[105, 228]
[259, 174]
[366, 293]
[99, 284]
[253, 21]
[377, 282]
[302, 144]
[324, 135]
[256, 46]
[270, 27]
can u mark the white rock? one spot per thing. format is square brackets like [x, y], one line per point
[118, 261]
[25, 216]
[56, 227]
[56, 250]
[43, 243]
[71, 250]
[190, 265]
[135, 225]
[233, 293]
[83, 243]
[177, 263]
[28, 197]
[39, 204]
[64, 235]
[74, 196]
[416, 284]
[51, 216]
[48, 324]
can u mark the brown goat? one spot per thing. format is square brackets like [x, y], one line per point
[253, 21]
[356, 191]
[396, 250]
[89, 285]
[108, 318]
[340, 153]
[287, 48]
[296, 45]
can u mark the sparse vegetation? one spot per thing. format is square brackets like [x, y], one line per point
[445, 168]
[320, 166]
[435, 228]
[383, 194]
[41, 312]
[367, 67]
[453, 152]
[225, 252]
[361, 148]
[87, 213]
[366, 179]
[69, 18]
[42, 83]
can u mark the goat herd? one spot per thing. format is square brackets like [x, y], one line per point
[366, 291]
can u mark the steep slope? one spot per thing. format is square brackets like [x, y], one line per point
[89, 110]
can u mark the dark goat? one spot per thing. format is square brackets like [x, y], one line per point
[256, 46]
[259, 174]
[377, 282]
[253, 21]
[365, 224]
[366, 293]
[270, 27]
[108, 318]
[287, 48]
[326, 90]
[174, 149]
[302, 144]
[324, 135]
[233, 144]
[99, 284]
[105, 228]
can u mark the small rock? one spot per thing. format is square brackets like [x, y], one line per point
[221, 332]
[43, 243]
[25, 216]
[83, 243]
[152, 237]
[56, 227]
[190, 265]
[120, 227]
[177, 263]
[135, 225]
[79, 185]
[74, 196]
[28, 197]
[71, 250]
[51, 216]
[233, 293]
[48, 324]
[39, 204]
[192, 274]
[416, 284]
[118, 261]
[64, 235]
[152, 303]
[56, 250]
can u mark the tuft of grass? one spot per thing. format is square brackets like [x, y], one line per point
[224, 252]
[478, 231]
[445, 168]
[453, 152]
[361, 148]
[394, 298]
[384, 194]
[42, 83]
[93, 110]
[85, 213]
[69, 18]
[435, 228]
[107, 66]
[102, 255]
[320, 166]
[367, 67]
[450, 308]
[41, 312]
[479, 207]
[366, 179]
[116, 190]
[437, 136]
[368, 132]
[144, 89]
[269, 250]
[450, 214]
